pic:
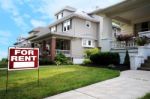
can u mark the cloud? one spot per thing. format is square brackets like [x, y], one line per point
[37, 23]
[48, 7]
[4, 37]
[11, 7]
[5, 33]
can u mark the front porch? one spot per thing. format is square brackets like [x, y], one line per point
[50, 47]
[134, 18]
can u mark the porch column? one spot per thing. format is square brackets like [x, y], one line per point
[52, 48]
[43, 48]
[105, 35]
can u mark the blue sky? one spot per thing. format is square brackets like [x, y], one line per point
[18, 17]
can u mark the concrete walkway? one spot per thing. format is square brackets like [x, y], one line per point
[130, 84]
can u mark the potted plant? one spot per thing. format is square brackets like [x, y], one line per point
[141, 41]
[124, 37]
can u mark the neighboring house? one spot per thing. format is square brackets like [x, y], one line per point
[134, 17]
[22, 42]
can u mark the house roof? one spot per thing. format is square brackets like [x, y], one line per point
[79, 14]
[69, 8]
[119, 7]
[41, 31]
[37, 29]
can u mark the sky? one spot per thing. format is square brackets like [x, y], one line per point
[18, 17]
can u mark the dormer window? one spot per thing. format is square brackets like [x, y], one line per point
[88, 24]
[67, 25]
[53, 29]
[60, 15]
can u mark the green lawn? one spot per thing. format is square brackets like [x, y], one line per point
[53, 80]
[147, 96]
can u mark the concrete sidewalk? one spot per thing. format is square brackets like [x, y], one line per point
[131, 84]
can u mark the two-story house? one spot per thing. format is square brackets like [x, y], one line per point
[71, 33]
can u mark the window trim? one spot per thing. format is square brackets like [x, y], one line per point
[53, 29]
[60, 15]
[66, 25]
[85, 43]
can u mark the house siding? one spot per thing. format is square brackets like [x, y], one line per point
[76, 48]
[81, 30]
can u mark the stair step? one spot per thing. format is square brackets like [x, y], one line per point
[144, 68]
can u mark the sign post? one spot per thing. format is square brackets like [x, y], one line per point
[22, 59]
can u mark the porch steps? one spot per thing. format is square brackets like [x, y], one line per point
[146, 65]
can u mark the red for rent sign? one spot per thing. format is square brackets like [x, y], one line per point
[23, 58]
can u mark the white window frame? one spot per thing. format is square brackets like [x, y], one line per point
[85, 43]
[66, 24]
[88, 23]
[60, 15]
[53, 29]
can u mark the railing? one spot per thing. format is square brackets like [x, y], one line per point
[145, 33]
[122, 44]
[66, 52]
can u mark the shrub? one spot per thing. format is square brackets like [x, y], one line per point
[141, 41]
[127, 59]
[105, 58]
[89, 52]
[4, 63]
[61, 59]
[45, 61]
[87, 62]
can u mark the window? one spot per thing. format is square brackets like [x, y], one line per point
[88, 24]
[53, 29]
[144, 26]
[87, 43]
[67, 25]
[60, 15]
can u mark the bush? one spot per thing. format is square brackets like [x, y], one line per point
[127, 59]
[61, 59]
[89, 52]
[105, 58]
[141, 41]
[87, 62]
[4, 63]
[45, 61]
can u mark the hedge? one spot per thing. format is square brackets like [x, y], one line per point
[45, 61]
[105, 58]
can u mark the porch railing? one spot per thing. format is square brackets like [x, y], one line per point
[66, 52]
[145, 33]
[122, 44]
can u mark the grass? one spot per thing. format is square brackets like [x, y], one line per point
[53, 80]
[147, 96]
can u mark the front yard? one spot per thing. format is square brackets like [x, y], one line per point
[53, 80]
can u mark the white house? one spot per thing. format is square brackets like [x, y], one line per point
[134, 17]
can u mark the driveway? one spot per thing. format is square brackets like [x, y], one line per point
[131, 84]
